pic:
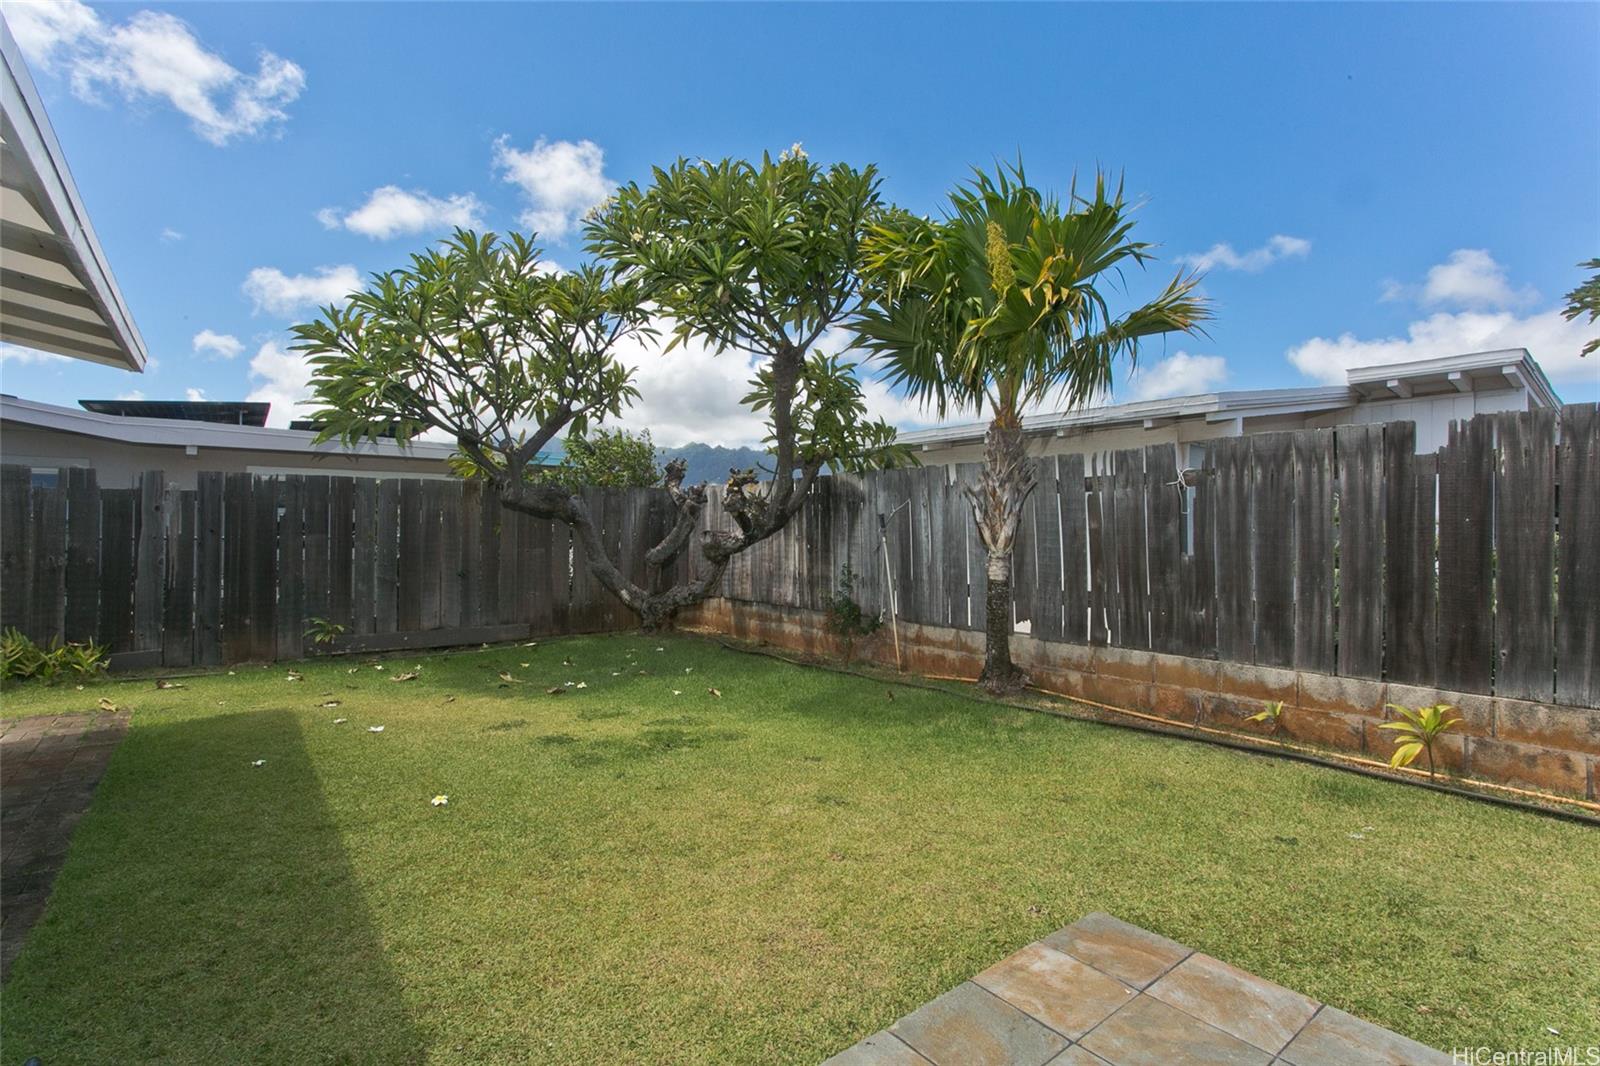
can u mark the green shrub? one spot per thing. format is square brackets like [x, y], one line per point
[21, 659]
[845, 617]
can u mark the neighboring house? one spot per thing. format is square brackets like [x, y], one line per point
[1430, 392]
[57, 294]
[119, 439]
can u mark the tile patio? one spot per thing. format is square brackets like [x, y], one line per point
[1102, 992]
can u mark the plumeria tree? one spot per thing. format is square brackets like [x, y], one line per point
[481, 340]
[999, 305]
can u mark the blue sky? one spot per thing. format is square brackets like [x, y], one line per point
[1384, 181]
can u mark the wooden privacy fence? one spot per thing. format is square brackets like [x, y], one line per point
[234, 569]
[1337, 551]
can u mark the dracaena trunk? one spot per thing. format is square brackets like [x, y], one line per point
[1002, 489]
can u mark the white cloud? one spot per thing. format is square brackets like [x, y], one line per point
[283, 379]
[1469, 279]
[15, 353]
[1223, 255]
[221, 345]
[391, 211]
[690, 394]
[561, 179]
[169, 235]
[132, 394]
[155, 56]
[194, 395]
[271, 290]
[1551, 339]
[1180, 374]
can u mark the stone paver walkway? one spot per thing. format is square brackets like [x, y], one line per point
[1105, 993]
[49, 767]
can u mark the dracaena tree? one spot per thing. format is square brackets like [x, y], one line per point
[480, 340]
[1000, 306]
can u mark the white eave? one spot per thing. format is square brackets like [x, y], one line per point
[1479, 371]
[166, 432]
[1507, 368]
[1211, 406]
[57, 293]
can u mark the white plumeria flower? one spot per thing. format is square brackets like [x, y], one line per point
[340, 721]
[688, 669]
[661, 649]
[259, 762]
[676, 692]
[440, 801]
[581, 684]
[374, 728]
[614, 673]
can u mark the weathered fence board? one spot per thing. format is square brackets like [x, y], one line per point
[1314, 551]
[290, 615]
[209, 570]
[48, 594]
[341, 550]
[83, 555]
[1235, 600]
[177, 623]
[149, 566]
[315, 567]
[1047, 553]
[235, 621]
[16, 546]
[1272, 483]
[1074, 550]
[1359, 456]
[1466, 546]
[1133, 583]
[1578, 557]
[1524, 602]
[1165, 502]
[118, 511]
[1408, 586]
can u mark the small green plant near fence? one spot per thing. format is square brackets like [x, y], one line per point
[846, 620]
[1417, 730]
[323, 633]
[23, 660]
[1271, 713]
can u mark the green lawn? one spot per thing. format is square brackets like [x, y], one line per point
[629, 873]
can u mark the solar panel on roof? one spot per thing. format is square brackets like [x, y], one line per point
[229, 413]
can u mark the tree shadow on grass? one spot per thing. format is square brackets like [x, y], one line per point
[208, 913]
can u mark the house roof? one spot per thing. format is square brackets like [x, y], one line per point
[185, 433]
[57, 293]
[1479, 371]
[226, 412]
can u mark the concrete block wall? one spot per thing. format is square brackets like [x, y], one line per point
[1544, 747]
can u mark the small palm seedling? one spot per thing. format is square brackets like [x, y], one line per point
[1271, 713]
[322, 632]
[1417, 730]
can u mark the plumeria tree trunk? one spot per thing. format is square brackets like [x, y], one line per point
[1002, 489]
